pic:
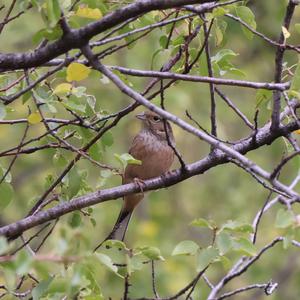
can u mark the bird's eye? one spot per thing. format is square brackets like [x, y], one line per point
[156, 118]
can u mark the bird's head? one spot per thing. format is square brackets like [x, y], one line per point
[155, 124]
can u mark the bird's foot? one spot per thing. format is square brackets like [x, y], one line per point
[139, 183]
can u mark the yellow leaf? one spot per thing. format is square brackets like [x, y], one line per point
[90, 13]
[34, 118]
[77, 72]
[297, 131]
[62, 89]
[285, 32]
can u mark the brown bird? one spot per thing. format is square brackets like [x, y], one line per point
[151, 147]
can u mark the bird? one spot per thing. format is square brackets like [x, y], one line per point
[153, 147]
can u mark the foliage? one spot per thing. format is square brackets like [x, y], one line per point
[65, 131]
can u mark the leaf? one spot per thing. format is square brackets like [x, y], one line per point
[107, 262]
[114, 244]
[75, 104]
[50, 34]
[185, 248]
[284, 218]
[77, 72]
[107, 139]
[62, 89]
[297, 27]
[41, 288]
[206, 257]
[2, 111]
[3, 245]
[75, 220]
[224, 242]
[225, 261]
[218, 36]
[152, 253]
[134, 263]
[223, 55]
[53, 12]
[95, 152]
[74, 182]
[262, 96]
[295, 85]
[23, 263]
[285, 32]
[163, 41]
[237, 226]
[126, 159]
[246, 15]
[90, 13]
[34, 118]
[200, 222]
[245, 246]
[6, 194]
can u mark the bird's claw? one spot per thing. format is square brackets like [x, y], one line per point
[139, 183]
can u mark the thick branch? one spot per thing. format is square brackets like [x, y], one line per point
[264, 137]
[79, 37]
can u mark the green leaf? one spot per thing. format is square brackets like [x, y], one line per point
[23, 263]
[107, 262]
[223, 55]
[95, 152]
[237, 226]
[218, 12]
[225, 261]
[163, 41]
[218, 36]
[206, 257]
[41, 288]
[200, 222]
[297, 27]
[152, 253]
[134, 263]
[75, 219]
[262, 96]
[224, 242]
[107, 139]
[6, 194]
[53, 12]
[126, 159]
[2, 111]
[3, 245]
[246, 15]
[114, 244]
[284, 218]
[245, 246]
[49, 34]
[74, 182]
[185, 248]
[295, 85]
[75, 104]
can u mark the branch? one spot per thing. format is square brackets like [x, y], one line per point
[77, 38]
[193, 78]
[264, 137]
[278, 65]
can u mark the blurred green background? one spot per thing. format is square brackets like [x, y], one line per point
[162, 219]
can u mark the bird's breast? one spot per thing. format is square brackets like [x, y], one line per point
[154, 153]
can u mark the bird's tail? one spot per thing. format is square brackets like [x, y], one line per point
[119, 230]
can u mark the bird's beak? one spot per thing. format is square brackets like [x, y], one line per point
[141, 116]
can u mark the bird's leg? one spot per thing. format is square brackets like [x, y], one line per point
[139, 183]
